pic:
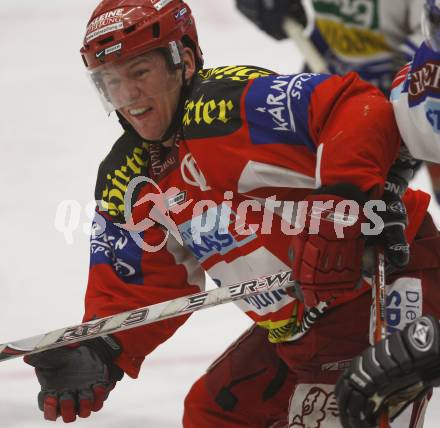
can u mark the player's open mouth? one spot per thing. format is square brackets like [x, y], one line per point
[139, 111]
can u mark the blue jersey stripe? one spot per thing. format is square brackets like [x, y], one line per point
[277, 109]
[113, 246]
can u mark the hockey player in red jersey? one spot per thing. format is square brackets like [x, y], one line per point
[225, 155]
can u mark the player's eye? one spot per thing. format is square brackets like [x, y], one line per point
[111, 82]
[114, 82]
[140, 73]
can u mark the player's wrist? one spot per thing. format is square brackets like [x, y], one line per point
[108, 349]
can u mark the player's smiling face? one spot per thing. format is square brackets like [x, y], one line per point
[145, 91]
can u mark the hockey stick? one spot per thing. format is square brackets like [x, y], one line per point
[146, 315]
[380, 313]
[311, 55]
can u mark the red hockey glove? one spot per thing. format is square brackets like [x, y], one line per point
[76, 380]
[327, 254]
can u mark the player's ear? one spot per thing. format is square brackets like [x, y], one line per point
[190, 63]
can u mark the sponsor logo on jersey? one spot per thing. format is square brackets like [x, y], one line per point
[116, 248]
[206, 111]
[239, 73]
[191, 173]
[278, 103]
[277, 109]
[424, 81]
[404, 303]
[214, 107]
[134, 164]
[222, 233]
[282, 333]
[265, 300]
[299, 327]
[269, 303]
[432, 109]
[278, 106]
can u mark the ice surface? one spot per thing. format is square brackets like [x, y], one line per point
[53, 134]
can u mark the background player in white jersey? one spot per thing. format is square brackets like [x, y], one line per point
[372, 37]
[375, 38]
[388, 373]
[416, 92]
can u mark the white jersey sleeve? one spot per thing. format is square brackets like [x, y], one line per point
[416, 100]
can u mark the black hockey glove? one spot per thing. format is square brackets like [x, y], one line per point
[392, 238]
[76, 380]
[395, 220]
[393, 373]
[269, 15]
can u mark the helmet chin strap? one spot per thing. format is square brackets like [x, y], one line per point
[175, 122]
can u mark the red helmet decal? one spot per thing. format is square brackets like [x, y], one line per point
[120, 29]
[105, 23]
[161, 3]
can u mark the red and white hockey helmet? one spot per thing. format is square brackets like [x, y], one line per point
[119, 30]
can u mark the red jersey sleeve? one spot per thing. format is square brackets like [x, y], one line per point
[353, 127]
[123, 277]
[337, 129]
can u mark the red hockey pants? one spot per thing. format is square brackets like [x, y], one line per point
[255, 384]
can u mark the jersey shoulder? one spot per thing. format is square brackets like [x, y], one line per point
[213, 105]
[128, 158]
[423, 81]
